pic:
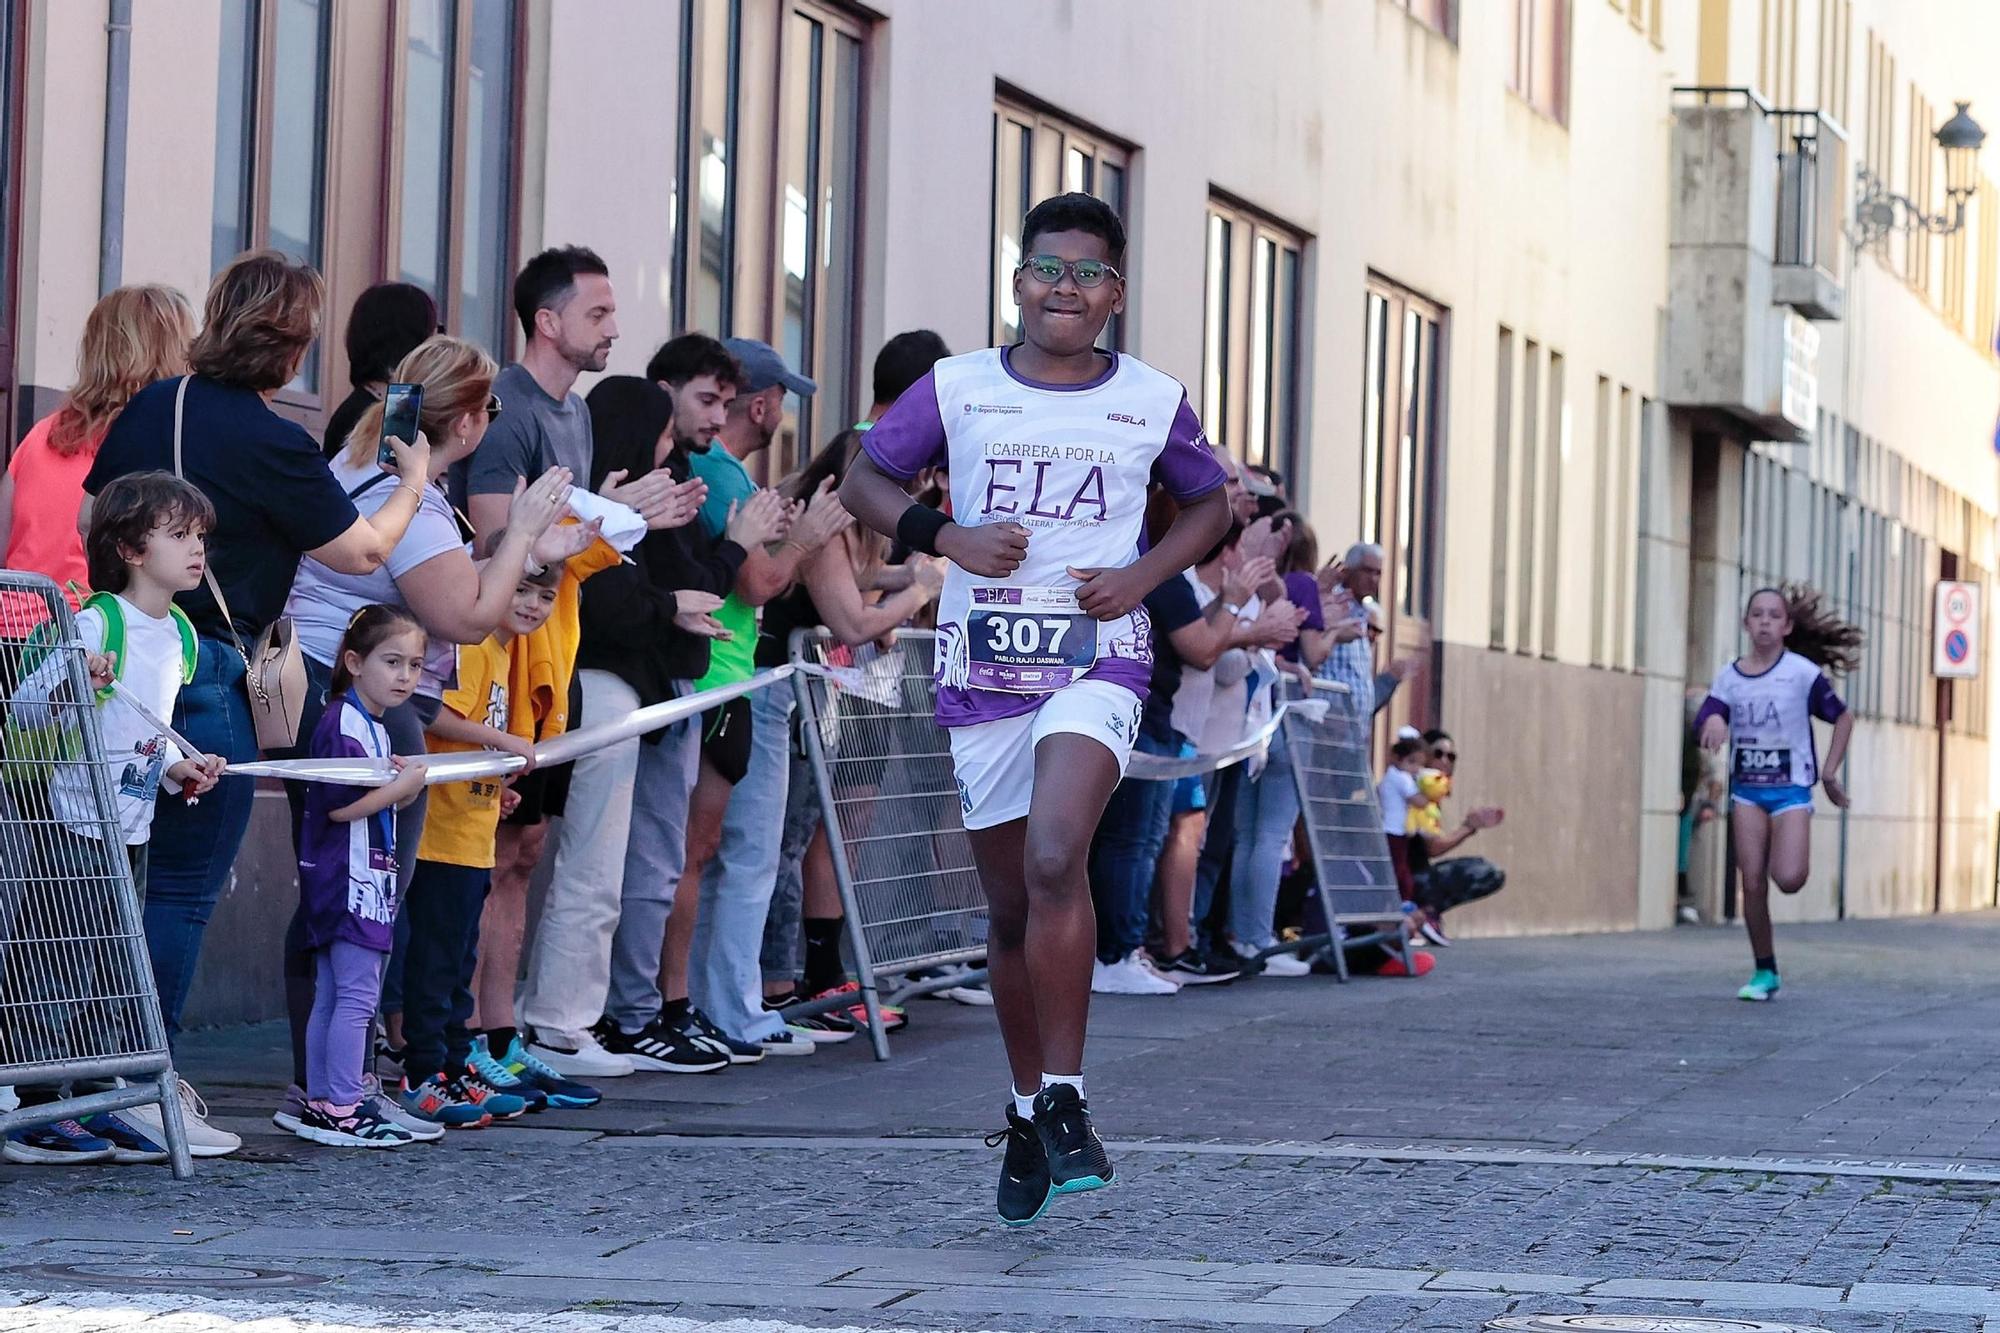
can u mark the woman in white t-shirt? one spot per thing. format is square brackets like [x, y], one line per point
[430, 573]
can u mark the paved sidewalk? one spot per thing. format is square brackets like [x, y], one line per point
[1541, 1126]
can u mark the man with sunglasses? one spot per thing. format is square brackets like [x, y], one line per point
[1044, 652]
[1445, 884]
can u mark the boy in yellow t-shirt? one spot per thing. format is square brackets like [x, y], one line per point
[454, 866]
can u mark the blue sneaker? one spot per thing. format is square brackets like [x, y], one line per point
[493, 1075]
[440, 1102]
[130, 1145]
[1763, 985]
[63, 1141]
[563, 1093]
[469, 1087]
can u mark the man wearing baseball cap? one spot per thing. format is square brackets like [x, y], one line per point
[744, 741]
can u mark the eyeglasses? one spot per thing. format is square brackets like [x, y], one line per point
[492, 405]
[1087, 272]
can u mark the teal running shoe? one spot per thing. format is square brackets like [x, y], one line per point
[492, 1074]
[1763, 985]
[563, 1093]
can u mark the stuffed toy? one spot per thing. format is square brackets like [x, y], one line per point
[1429, 818]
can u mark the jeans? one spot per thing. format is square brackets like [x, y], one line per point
[443, 911]
[349, 978]
[785, 923]
[1267, 810]
[1218, 846]
[655, 856]
[194, 846]
[724, 976]
[1130, 840]
[569, 965]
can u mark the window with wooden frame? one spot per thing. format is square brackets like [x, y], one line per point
[271, 137]
[1037, 153]
[768, 245]
[1541, 56]
[1252, 364]
[455, 98]
[819, 203]
[705, 230]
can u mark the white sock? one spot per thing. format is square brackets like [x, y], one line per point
[1071, 1080]
[1024, 1106]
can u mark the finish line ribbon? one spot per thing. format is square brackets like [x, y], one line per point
[1164, 767]
[466, 766]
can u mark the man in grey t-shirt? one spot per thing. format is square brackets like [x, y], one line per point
[568, 315]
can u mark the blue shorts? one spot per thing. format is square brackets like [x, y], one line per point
[1774, 801]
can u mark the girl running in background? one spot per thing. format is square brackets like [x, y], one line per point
[1762, 707]
[347, 874]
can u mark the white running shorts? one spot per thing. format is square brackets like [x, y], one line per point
[995, 761]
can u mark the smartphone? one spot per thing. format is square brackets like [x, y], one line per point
[402, 405]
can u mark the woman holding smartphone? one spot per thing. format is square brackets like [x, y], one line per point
[429, 573]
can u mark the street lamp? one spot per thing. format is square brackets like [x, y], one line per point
[1878, 211]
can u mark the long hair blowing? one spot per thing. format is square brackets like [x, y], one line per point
[1817, 634]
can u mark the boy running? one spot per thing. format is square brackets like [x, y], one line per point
[1043, 651]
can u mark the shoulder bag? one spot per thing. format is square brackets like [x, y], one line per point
[275, 672]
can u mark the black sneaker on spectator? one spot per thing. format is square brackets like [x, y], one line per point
[700, 1029]
[659, 1049]
[1192, 969]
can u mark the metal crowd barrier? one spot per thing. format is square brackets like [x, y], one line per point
[882, 766]
[78, 1008]
[1332, 762]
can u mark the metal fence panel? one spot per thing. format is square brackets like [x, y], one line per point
[1333, 766]
[890, 800]
[77, 1001]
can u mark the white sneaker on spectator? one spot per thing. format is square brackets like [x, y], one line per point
[787, 1041]
[979, 995]
[1128, 976]
[1286, 965]
[204, 1139]
[577, 1055]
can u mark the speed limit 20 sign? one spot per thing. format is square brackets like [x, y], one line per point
[1955, 631]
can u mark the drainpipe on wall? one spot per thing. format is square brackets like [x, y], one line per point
[117, 107]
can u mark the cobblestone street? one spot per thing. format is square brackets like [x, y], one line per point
[1541, 1126]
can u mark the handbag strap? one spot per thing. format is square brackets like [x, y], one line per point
[207, 569]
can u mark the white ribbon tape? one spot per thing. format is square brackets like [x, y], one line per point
[1162, 767]
[463, 767]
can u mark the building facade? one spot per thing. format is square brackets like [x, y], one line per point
[1451, 268]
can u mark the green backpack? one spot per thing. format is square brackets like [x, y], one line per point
[31, 753]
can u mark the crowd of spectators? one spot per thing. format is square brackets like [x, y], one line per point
[529, 560]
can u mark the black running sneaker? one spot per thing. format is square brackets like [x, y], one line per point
[1077, 1160]
[1192, 968]
[660, 1049]
[1025, 1188]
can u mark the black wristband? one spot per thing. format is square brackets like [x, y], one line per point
[919, 527]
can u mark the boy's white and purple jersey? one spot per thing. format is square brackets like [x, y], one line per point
[1770, 720]
[1072, 464]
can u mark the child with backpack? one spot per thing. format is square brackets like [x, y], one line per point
[147, 541]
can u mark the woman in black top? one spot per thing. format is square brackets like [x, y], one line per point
[274, 501]
[388, 322]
